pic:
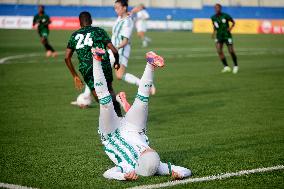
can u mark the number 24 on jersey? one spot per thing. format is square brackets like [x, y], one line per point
[82, 40]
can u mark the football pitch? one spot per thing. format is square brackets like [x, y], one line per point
[210, 122]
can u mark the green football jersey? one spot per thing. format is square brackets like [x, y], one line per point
[43, 21]
[82, 42]
[221, 25]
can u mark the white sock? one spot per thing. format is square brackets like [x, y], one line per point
[146, 81]
[87, 92]
[100, 83]
[132, 79]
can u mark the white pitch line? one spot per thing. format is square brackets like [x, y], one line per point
[5, 59]
[13, 186]
[210, 178]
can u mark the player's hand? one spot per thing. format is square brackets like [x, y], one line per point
[176, 176]
[78, 83]
[230, 29]
[131, 176]
[116, 65]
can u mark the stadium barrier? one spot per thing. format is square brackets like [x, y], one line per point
[72, 23]
[243, 26]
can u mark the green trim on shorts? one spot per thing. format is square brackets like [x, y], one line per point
[115, 155]
[142, 98]
[105, 100]
[124, 143]
[125, 155]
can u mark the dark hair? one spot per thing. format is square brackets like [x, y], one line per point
[85, 18]
[41, 6]
[219, 5]
[124, 3]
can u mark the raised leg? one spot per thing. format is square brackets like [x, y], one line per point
[108, 120]
[138, 113]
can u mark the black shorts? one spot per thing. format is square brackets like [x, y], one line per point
[227, 41]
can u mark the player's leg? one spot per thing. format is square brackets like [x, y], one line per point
[49, 49]
[138, 113]
[219, 47]
[128, 77]
[108, 120]
[234, 57]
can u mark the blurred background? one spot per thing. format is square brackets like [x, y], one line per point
[252, 16]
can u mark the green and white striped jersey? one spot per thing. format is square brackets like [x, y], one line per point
[124, 147]
[122, 28]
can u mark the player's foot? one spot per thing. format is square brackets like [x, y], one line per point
[74, 103]
[226, 69]
[153, 90]
[154, 59]
[54, 54]
[98, 53]
[48, 53]
[235, 69]
[121, 99]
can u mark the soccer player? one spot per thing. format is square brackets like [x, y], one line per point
[141, 16]
[222, 34]
[82, 41]
[41, 21]
[121, 36]
[125, 141]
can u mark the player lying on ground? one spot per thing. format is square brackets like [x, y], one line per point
[82, 41]
[121, 38]
[41, 21]
[222, 34]
[125, 140]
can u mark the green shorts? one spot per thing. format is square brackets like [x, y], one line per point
[43, 33]
[228, 41]
[86, 69]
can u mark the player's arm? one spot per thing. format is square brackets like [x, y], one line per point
[233, 24]
[115, 54]
[117, 174]
[68, 56]
[123, 43]
[214, 31]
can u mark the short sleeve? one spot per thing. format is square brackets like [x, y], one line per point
[125, 168]
[127, 28]
[229, 17]
[71, 43]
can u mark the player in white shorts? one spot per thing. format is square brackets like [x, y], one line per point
[125, 141]
[141, 25]
[121, 38]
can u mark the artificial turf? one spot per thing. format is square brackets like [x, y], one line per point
[201, 119]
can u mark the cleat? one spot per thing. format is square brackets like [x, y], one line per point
[154, 59]
[235, 69]
[74, 103]
[98, 53]
[121, 99]
[226, 69]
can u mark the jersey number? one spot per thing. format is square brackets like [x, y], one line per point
[87, 41]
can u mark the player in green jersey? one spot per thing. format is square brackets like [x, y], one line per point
[82, 42]
[41, 21]
[222, 34]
